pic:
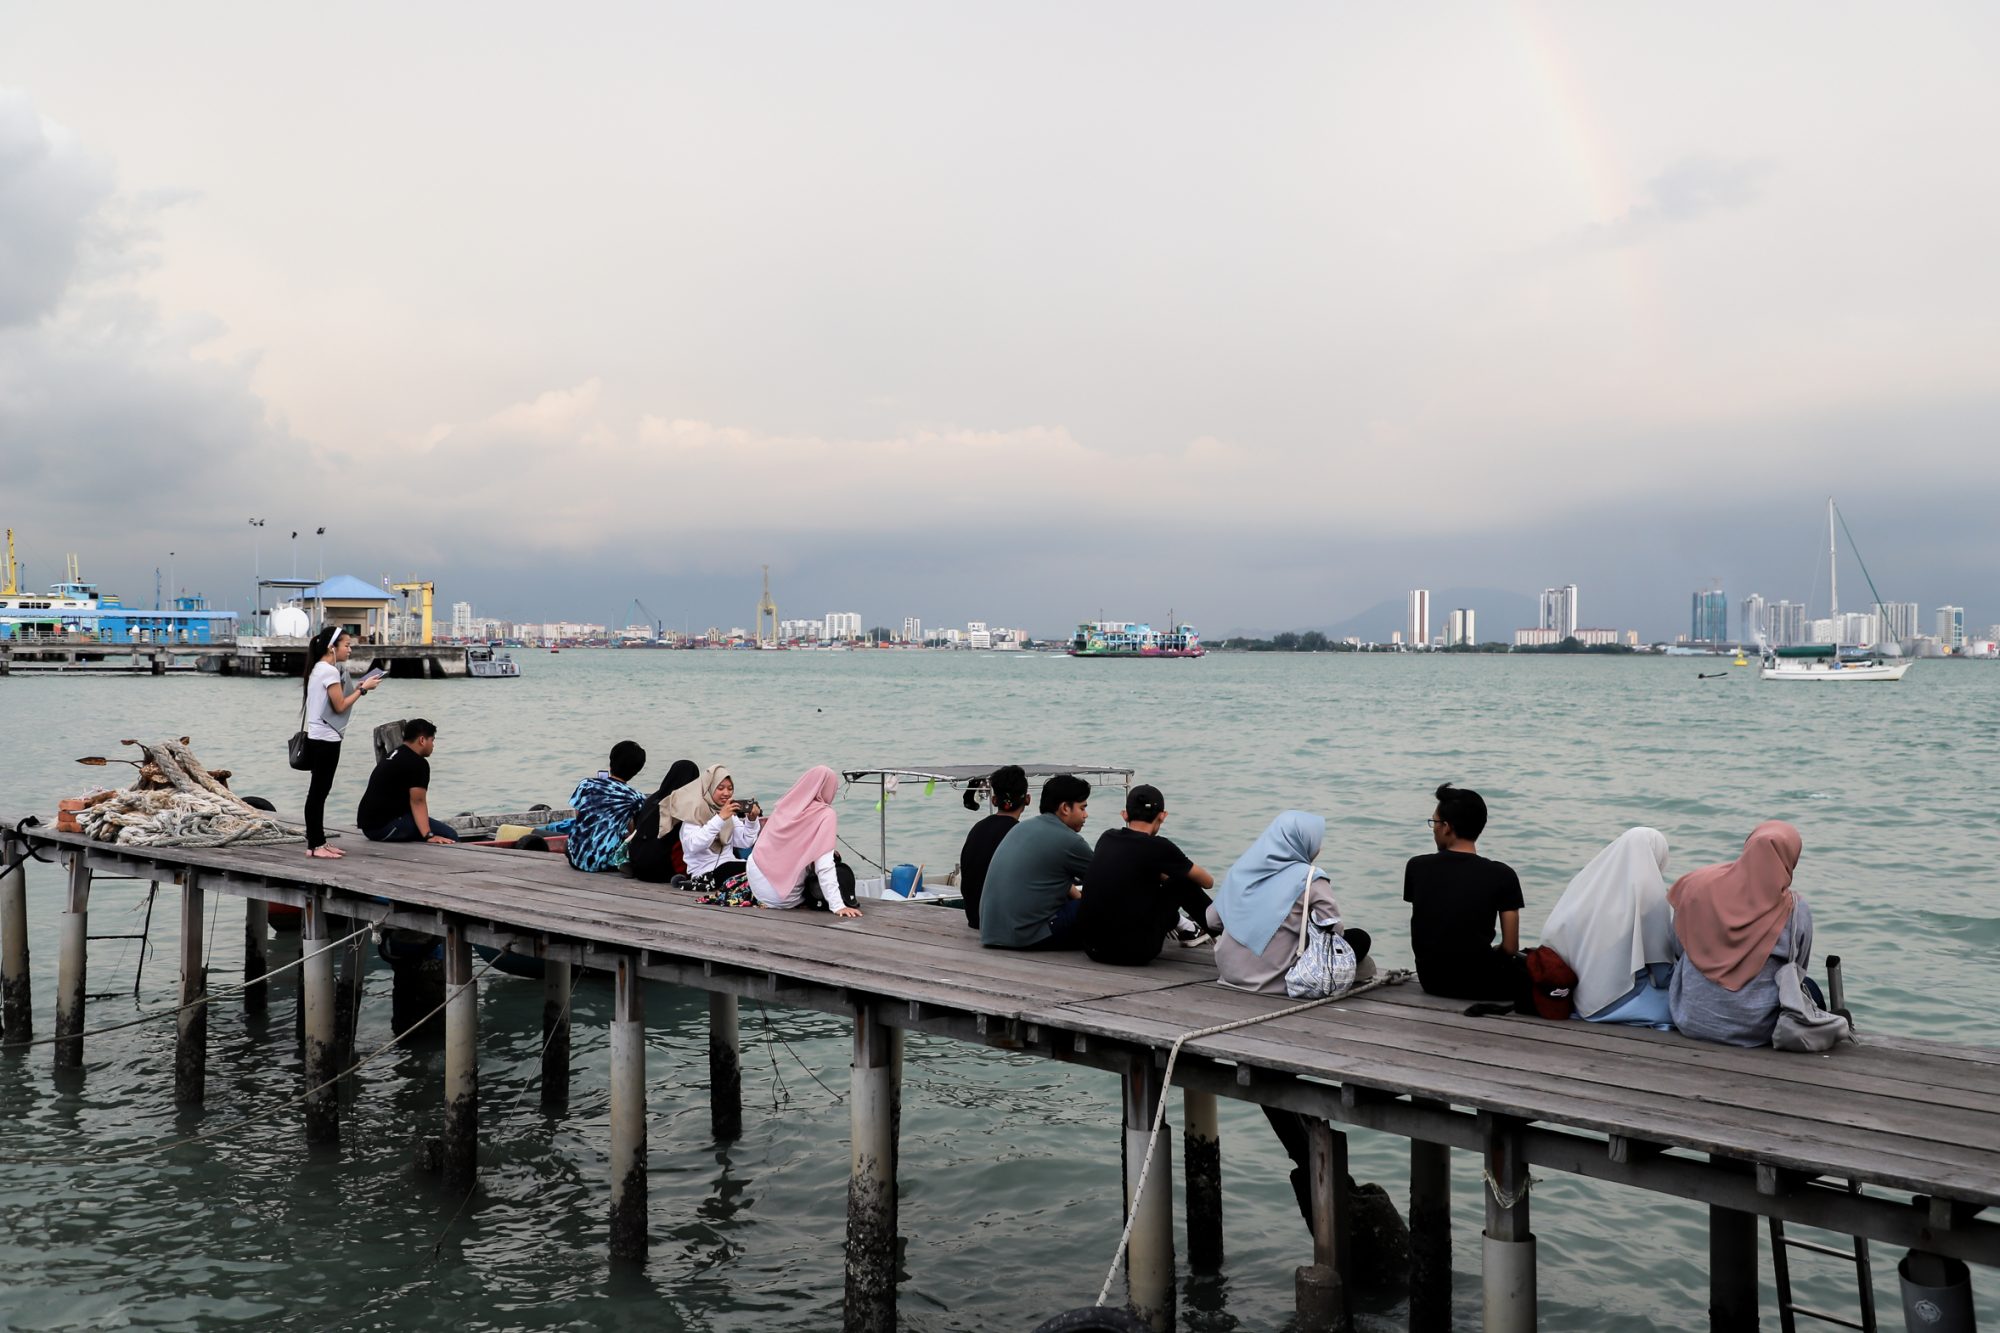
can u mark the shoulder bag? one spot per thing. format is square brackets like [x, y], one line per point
[295, 748]
[1324, 964]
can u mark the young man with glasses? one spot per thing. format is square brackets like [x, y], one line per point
[1457, 898]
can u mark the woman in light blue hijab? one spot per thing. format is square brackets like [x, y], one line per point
[1257, 917]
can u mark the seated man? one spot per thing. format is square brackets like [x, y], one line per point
[1456, 898]
[1031, 893]
[604, 808]
[1009, 786]
[1137, 885]
[396, 806]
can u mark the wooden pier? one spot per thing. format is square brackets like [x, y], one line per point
[1915, 1125]
[225, 657]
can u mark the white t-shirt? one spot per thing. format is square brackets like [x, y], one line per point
[322, 722]
[770, 895]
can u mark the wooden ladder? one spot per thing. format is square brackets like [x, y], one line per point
[1788, 1310]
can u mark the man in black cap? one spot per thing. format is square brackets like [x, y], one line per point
[1137, 886]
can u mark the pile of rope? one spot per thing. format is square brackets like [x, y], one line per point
[178, 803]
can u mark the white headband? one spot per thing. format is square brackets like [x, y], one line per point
[336, 636]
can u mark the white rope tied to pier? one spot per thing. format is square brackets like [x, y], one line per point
[1393, 978]
[175, 1010]
[193, 809]
[1504, 1198]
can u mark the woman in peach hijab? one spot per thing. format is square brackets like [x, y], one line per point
[1738, 923]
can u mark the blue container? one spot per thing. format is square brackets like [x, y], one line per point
[905, 880]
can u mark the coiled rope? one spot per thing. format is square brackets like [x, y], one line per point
[196, 1003]
[1394, 978]
[147, 1149]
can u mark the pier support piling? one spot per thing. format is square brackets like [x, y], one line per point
[191, 1041]
[1430, 1237]
[316, 1003]
[1509, 1254]
[256, 955]
[1732, 1268]
[1149, 1260]
[1201, 1143]
[874, 1094]
[555, 1035]
[347, 997]
[71, 965]
[1322, 1287]
[725, 1068]
[628, 1112]
[17, 1007]
[461, 1062]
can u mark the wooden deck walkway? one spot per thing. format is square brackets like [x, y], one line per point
[1748, 1132]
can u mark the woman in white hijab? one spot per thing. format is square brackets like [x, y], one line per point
[1613, 927]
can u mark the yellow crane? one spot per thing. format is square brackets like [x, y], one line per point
[429, 590]
[13, 570]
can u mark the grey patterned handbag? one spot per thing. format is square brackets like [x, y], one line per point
[1324, 965]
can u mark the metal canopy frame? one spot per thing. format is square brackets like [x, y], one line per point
[958, 775]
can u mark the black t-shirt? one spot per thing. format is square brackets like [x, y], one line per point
[976, 856]
[1129, 904]
[1455, 903]
[388, 796]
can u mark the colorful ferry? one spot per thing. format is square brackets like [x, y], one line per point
[1126, 638]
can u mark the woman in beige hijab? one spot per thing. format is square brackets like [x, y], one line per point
[714, 824]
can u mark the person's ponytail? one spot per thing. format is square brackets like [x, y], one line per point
[315, 650]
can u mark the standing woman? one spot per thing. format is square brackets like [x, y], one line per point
[327, 703]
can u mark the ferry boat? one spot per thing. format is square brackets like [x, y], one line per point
[75, 612]
[486, 664]
[1126, 638]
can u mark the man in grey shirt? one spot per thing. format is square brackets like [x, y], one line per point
[1031, 895]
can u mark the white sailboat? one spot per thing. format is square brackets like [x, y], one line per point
[1824, 661]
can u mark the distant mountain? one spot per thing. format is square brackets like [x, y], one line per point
[1496, 615]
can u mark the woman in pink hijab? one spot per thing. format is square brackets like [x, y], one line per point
[797, 842]
[1737, 924]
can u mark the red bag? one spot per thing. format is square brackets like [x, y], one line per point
[1551, 982]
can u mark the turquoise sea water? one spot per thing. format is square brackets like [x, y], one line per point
[1009, 1164]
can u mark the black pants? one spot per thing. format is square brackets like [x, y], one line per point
[322, 757]
[1492, 975]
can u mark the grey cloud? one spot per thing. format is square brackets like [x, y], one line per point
[1687, 191]
[49, 189]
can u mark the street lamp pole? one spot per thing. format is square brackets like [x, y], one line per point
[295, 555]
[257, 564]
[322, 555]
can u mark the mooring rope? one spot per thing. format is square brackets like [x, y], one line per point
[1394, 978]
[143, 1150]
[196, 1003]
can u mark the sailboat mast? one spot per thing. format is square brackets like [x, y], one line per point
[1832, 571]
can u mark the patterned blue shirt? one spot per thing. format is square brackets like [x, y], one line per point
[604, 808]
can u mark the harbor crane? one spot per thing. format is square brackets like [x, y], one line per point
[648, 618]
[13, 583]
[429, 591]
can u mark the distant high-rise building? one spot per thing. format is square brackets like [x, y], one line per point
[1459, 631]
[1753, 618]
[1418, 634]
[913, 629]
[843, 624]
[1559, 610]
[1897, 621]
[1951, 627]
[461, 620]
[1786, 622]
[1711, 617]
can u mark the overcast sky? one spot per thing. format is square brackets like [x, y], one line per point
[1014, 313]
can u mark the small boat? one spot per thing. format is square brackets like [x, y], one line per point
[485, 664]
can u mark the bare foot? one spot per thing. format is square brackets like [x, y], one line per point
[322, 853]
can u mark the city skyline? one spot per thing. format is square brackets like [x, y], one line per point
[1611, 334]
